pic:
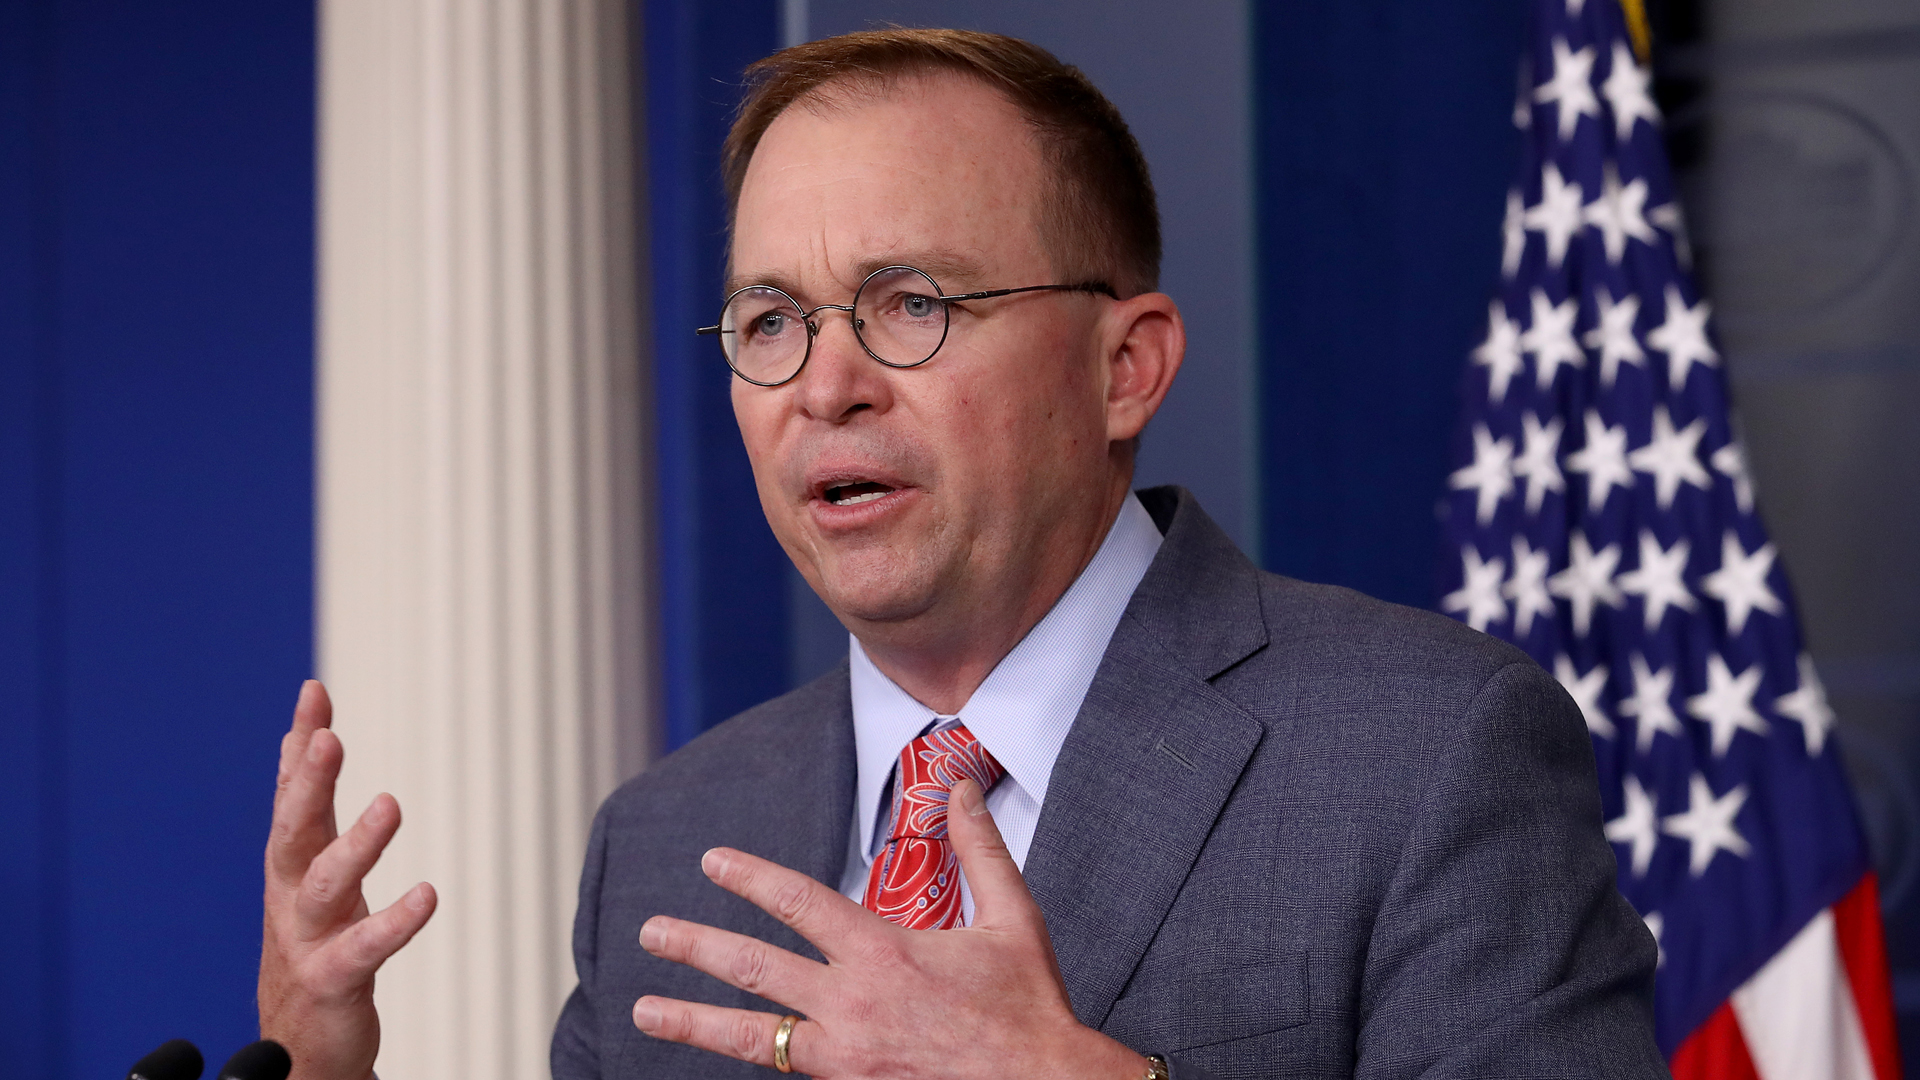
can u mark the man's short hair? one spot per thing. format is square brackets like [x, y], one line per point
[1100, 222]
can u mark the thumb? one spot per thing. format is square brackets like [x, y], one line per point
[1000, 896]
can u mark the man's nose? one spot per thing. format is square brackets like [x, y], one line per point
[840, 379]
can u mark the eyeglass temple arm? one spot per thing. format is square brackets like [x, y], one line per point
[1100, 287]
[705, 329]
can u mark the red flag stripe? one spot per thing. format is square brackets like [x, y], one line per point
[1863, 950]
[1715, 1051]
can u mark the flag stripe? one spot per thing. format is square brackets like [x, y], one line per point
[1715, 1051]
[1863, 949]
[1797, 1012]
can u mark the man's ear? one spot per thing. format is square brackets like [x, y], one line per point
[1146, 342]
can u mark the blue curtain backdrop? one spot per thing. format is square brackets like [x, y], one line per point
[156, 296]
[723, 584]
[1383, 148]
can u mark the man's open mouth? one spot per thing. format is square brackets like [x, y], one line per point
[856, 493]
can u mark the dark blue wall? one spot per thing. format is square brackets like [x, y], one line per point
[723, 577]
[1384, 146]
[156, 256]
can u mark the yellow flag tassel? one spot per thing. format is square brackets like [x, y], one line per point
[1637, 26]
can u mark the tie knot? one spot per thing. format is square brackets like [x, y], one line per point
[929, 767]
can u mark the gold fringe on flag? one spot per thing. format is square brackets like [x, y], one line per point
[1637, 26]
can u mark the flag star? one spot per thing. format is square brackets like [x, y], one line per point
[1658, 579]
[1614, 336]
[1603, 459]
[1491, 473]
[1672, 457]
[1651, 705]
[1741, 582]
[1683, 337]
[1538, 466]
[1500, 353]
[1655, 924]
[1513, 234]
[1727, 706]
[1618, 214]
[1626, 92]
[1550, 338]
[1557, 215]
[1668, 217]
[1587, 580]
[1527, 588]
[1570, 87]
[1708, 823]
[1479, 595]
[1638, 826]
[1808, 707]
[1585, 691]
[1731, 461]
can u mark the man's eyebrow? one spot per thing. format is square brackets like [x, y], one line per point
[943, 267]
[773, 278]
[947, 268]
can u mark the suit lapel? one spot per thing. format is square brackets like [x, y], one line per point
[828, 791]
[1151, 759]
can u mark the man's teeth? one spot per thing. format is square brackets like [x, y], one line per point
[855, 494]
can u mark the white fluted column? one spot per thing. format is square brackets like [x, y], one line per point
[481, 545]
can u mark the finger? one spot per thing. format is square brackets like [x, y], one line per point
[331, 887]
[736, 1033]
[348, 962]
[311, 711]
[834, 924]
[303, 820]
[736, 959]
[1000, 896]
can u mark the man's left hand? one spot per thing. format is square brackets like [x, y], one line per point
[980, 1001]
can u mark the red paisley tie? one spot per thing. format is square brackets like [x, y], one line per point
[916, 881]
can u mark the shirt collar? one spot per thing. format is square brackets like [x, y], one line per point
[1022, 711]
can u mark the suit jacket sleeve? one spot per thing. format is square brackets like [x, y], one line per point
[575, 1054]
[1502, 947]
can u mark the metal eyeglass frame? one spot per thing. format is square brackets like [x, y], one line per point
[813, 327]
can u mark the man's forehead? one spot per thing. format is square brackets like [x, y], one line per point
[939, 173]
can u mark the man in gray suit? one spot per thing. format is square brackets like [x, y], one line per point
[1207, 822]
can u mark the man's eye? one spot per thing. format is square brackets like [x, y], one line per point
[918, 307]
[770, 325]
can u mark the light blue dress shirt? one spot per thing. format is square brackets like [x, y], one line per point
[1020, 713]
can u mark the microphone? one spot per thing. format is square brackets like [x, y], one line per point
[177, 1059]
[264, 1060]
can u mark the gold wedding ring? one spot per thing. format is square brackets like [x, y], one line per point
[782, 1042]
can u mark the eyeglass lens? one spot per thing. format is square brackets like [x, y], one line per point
[897, 315]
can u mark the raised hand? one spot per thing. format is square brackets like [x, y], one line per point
[321, 947]
[979, 1001]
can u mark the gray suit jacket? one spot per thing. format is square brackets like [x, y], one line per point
[1293, 832]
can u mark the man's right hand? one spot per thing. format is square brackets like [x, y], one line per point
[321, 947]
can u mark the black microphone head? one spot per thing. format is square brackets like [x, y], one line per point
[264, 1060]
[175, 1060]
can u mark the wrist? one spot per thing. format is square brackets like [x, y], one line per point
[1094, 1056]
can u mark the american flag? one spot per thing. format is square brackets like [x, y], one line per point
[1601, 517]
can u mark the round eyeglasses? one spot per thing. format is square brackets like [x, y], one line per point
[899, 314]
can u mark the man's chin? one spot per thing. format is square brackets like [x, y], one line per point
[877, 595]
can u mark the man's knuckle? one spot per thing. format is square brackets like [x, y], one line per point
[749, 967]
[322, 886]
[793, 900]
[884, 951]
[743, 1036]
